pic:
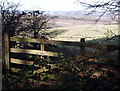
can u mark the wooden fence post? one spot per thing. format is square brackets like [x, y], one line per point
[6, 50]
[82, 48]
[42, 47]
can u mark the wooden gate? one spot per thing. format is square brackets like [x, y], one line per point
[7, 50]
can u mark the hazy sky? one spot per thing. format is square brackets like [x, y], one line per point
[59, 5]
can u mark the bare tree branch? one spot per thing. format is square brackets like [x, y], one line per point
[111, 7]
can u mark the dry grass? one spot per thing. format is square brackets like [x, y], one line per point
[89, 32]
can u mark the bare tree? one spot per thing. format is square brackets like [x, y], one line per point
[19, 23]
[111, 8]
[32, 24]
[9, 16]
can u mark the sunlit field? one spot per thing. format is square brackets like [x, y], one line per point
[89, 32]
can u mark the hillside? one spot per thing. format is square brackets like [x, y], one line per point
[73, 18]
[89, 32]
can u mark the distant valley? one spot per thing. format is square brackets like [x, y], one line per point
[74, 18]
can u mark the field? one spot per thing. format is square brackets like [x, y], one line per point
[89, 32]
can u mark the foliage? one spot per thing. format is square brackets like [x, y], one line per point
[20, 23]
[68, 73]
[32, 24]
[12, 82]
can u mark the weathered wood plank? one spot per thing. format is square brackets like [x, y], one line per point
[101, 46]
[42, 47]
[43, 41]
[36, 52]
[6, 50]
[18, 61]
[82, 48]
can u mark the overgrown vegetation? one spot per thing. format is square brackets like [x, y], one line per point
[69, 73]
[72, 72]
